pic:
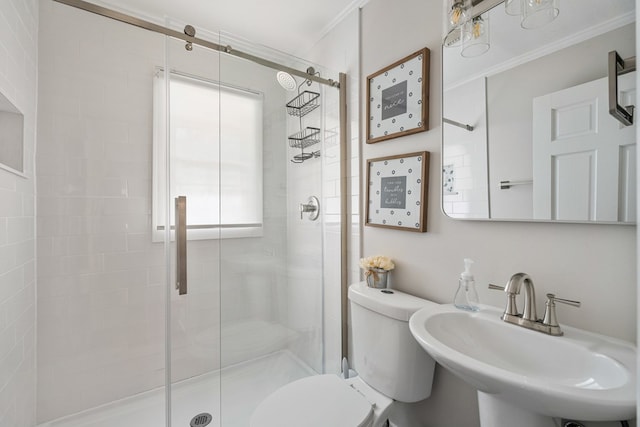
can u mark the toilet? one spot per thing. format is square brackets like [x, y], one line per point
[391, 367]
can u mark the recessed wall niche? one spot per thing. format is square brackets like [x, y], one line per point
[11, 137]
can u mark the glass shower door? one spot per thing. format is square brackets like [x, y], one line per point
[271, 282]
[161, 162]
[191, 200]
[252, 318]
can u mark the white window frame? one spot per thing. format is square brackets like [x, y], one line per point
[217, 230]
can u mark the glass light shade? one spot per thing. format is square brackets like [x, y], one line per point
[477, 41]
[513, 7]
[537, 13]
[457, 12]
[454, 20]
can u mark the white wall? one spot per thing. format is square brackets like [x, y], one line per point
[592, 263]
[18, 82]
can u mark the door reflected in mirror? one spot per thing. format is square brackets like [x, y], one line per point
[527, 133]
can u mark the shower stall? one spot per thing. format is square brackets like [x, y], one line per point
[182, 273]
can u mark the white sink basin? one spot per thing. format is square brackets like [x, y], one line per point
[580, 375]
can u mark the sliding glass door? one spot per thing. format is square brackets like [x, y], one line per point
[251, 246]
[188, 215]
[187, 185]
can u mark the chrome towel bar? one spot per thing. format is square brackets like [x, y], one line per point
[617, 67]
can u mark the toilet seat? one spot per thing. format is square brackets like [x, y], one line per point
[317, 401]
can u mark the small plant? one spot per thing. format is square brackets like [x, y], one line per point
[379, 261]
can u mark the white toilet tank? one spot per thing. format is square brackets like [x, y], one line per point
[385, 354]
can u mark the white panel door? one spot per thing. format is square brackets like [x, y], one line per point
[583, 159]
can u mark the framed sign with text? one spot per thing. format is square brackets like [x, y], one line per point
[397, 189]
[398, 98]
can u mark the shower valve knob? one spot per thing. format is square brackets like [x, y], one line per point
[304, 208]
[312, 207]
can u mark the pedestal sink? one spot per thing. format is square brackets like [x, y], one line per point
[527, 376]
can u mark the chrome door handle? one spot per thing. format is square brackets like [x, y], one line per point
[181, 245]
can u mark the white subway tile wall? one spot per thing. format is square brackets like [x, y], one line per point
[100, 279]
[18, 82]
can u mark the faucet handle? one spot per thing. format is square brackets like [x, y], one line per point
[496, 287]
[550, 309]
[564, 301]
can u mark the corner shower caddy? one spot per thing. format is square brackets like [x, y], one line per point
[299, 107]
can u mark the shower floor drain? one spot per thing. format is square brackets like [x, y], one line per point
[201, 420]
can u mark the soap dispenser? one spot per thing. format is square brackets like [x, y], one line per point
[466, 297]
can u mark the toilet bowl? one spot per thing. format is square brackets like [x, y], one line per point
[391, 366]
[321, 401]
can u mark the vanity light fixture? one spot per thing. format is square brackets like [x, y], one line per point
[477, 41]
[537, 13]
[472, 32]
[534, 13]
[454, 21]
[513, 7]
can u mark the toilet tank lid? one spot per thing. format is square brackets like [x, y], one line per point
[396, 305]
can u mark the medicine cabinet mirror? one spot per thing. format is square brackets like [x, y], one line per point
[11, 137]
[527, 133]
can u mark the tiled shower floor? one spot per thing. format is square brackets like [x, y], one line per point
[244, 386]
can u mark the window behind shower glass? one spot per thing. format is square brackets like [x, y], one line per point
[216, 157]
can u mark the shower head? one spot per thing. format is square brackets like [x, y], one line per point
[287, 81]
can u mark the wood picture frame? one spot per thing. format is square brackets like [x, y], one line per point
[398, 98]
[397, 191]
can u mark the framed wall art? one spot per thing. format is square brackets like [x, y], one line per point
[398, 98]
[397, 188]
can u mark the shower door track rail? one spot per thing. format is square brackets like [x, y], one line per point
[128, 19]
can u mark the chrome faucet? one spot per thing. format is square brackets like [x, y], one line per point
[512, 288]
[529, 318]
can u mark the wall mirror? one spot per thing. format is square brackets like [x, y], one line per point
[527, 133]
[11, 137]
